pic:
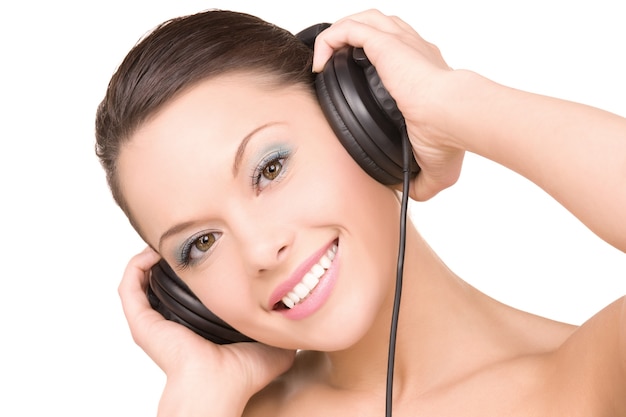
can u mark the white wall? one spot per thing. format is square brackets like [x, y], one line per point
[65, 346]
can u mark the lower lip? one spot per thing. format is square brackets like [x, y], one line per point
[317, 298]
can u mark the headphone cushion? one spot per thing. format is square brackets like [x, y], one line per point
[352, 141]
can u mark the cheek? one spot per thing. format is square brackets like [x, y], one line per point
[222, 287]
[368, 211]
[330, 169]
[362, 198]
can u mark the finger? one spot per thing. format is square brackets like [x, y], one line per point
[379, 20]
[357, 30]
[136, 272]
[139, 314]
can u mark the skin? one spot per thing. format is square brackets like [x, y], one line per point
[459, 351]
[265, 232]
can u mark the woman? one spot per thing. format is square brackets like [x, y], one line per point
[216, 149]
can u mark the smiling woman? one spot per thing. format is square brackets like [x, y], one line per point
[244, 211]
[217, 149]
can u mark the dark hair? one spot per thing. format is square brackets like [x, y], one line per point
[180, 53]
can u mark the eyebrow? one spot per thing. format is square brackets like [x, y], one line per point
[242, 146]
[172, 231]
[241, 149]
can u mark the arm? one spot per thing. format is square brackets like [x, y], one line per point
[203, 379]
[574, 152]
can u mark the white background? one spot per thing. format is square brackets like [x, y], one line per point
[65, 348]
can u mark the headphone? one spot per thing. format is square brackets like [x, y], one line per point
[365, 119]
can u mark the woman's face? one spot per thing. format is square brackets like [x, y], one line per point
[245, 190]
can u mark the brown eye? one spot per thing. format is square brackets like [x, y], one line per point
[204, 242]
[272, 169]
[196, 248]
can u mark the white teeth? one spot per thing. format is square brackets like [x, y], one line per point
[318, 270]
[287, 301]
[301, 290]
[325, 262]
[310, 279]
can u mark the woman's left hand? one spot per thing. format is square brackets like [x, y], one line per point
[413, 71]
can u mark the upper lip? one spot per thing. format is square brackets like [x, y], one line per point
[297, 275]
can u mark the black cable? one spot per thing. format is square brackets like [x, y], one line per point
[406, 164]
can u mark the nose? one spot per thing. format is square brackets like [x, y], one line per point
[263, 241]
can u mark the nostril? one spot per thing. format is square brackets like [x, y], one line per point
[281, 251]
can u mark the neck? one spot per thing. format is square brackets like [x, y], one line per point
[434, 310]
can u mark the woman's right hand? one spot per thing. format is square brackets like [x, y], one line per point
[202, 378]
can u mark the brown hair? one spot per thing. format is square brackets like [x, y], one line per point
[178, 54]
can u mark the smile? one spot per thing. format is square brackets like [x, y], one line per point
[310, 280]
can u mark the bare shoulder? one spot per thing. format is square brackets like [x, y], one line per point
[590, 367]
[556, 370]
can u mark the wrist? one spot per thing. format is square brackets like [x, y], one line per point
[200, 396]
[456, 113]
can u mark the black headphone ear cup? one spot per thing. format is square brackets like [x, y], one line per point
[363, 115]
[171, 297]
[337, 121]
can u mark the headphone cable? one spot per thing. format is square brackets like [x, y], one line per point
[406, 162]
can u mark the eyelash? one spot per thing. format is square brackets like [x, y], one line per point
[184, 257]
[277, 157]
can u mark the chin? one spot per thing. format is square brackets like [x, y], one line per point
[342, 334]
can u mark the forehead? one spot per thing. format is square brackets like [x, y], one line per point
[201, 127]
[245, 97]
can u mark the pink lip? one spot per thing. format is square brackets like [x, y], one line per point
[320, 293]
